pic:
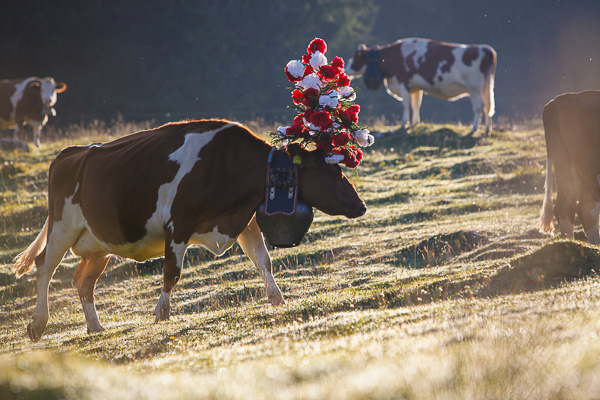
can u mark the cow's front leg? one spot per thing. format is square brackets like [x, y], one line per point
[174, 253]
[38, 134]
[17, 131]
[253, 244]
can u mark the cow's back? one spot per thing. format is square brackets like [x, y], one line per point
[123, 186]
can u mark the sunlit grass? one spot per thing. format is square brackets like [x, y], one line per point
[444, 289]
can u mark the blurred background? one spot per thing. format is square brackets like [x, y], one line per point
[169, 60]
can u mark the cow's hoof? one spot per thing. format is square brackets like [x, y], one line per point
[277, 299]
[95, 329]
[162, 313]
[35, 330]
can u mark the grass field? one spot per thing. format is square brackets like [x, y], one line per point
[443, 290]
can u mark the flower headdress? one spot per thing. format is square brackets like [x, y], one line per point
[326, 115]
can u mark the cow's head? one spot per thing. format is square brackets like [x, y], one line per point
[324, 186]
[48, 90]
[365, 63]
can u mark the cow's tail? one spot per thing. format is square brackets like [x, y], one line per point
[545, 221]
[24, 261]
[490, 77]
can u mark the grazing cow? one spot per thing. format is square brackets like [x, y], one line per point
[572, 130]
[447, 71]
[28, 101]
[154, 193]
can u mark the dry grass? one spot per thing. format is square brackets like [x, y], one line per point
[443, 290]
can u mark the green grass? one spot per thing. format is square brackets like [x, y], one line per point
[443, 290]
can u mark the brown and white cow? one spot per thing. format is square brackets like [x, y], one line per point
[447, 71]
[154, 193]
[572, 130]
[28, 101]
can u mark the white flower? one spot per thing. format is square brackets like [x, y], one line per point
[347, 93]
[317, 60]
[363, 138]
[310, 81]
[281, 131]
[313, 127]
[295, 68]
[329, 99]
[334, 159]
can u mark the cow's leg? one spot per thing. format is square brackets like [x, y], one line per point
[85, 279]
[589, 212]
[174, 253]
[416, 98]
[487, 109]
[406, 104]
[564, 210]
[37, 135]
[253, 244]
[17, 131]
[60, 240]
[477, 103]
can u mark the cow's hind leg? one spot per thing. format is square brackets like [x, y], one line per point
[564, 211]
[589, 212]
[85, 279]
[477, 103]
[60, 240]
[253, 244]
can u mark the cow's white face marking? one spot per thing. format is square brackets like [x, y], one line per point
[48, 92]
[216, 242]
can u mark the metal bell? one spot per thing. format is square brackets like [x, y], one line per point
[285, 230]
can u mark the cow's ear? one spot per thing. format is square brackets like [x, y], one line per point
[61, 87]
[362, 47]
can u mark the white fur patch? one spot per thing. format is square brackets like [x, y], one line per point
[186, 156]
[216, 242]
[18, 94]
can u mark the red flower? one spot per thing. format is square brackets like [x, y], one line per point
[328, 72]
[306, 59]
[340, 139]
[323, 145]
[338, 62]
[343, 80]
[291, 77]
[298, 119]
[349, 116]
[322, 119]
[317, 45]
[295, 130]
[308, 114]
[308, 70]
[310, 96]
[297, 96]
[359, 154]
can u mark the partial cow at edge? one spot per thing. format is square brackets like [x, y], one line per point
[154, 193]
[572, 131]
[28, 101]
[448, 71]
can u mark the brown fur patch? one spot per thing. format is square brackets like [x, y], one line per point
[470, 54]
